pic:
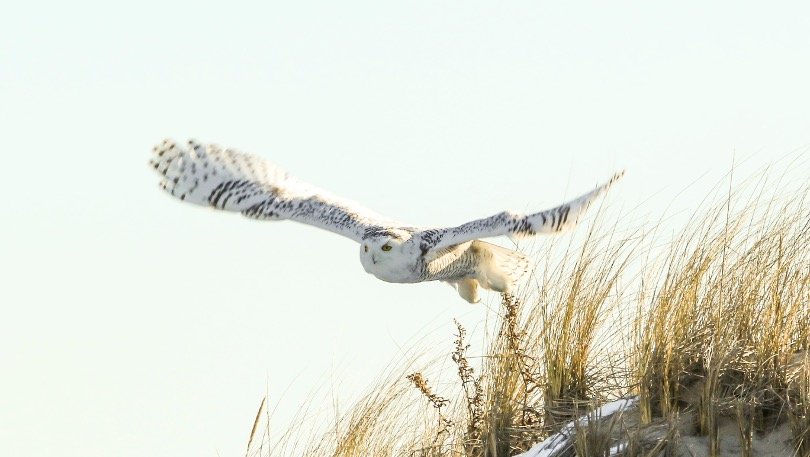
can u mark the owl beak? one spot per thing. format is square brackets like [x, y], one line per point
[373, 259]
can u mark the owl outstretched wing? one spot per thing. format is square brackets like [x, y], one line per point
[229, 180]
[516, 225]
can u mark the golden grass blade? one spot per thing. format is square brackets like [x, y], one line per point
[255, 425]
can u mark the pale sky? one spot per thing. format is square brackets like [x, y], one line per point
[133, 324]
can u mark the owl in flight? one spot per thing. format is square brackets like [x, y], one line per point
[226, 179]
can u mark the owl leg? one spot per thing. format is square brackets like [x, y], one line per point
[468, 289]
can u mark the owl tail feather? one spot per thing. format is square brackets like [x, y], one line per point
[500, 269]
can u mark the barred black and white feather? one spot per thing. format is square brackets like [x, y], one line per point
[229, 180]
[516, 225]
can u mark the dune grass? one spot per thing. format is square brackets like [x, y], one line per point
[711, 330]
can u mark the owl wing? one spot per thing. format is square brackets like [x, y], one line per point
[229, 180]
[516, 225]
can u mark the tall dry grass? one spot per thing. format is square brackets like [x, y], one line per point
[729, 320]
[712, 328]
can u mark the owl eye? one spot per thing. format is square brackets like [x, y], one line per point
[365, 248]
[386, 247]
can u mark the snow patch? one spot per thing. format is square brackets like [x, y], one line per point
[562, 439]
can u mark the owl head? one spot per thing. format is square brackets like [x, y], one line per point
[382, 253]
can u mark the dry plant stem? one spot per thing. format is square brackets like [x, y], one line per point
[445, 424]
[473, 393]
[524, 363]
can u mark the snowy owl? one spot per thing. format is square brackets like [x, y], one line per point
[229, 180]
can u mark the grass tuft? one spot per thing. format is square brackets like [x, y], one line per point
[708, 331]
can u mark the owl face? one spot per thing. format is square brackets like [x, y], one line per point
[385, 257]
[380, 250]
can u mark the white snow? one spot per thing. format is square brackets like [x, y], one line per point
[560, 440]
